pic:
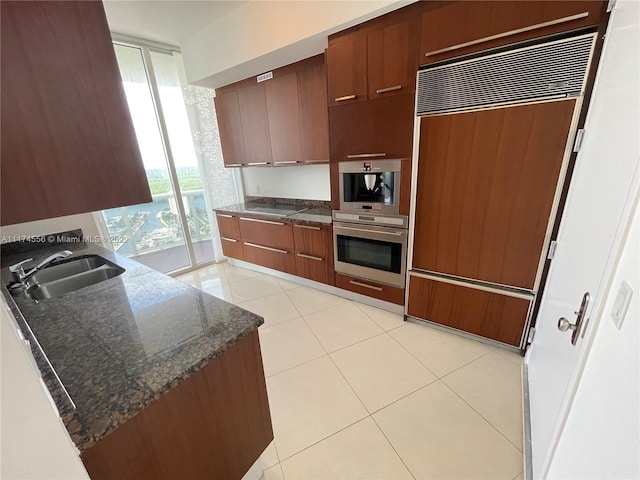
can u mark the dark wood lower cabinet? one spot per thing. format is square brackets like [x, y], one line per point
[213, 425]
[371, 289]
[486, 313]
[232, 247]
[270, 257]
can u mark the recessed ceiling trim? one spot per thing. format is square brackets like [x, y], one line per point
[138, 42]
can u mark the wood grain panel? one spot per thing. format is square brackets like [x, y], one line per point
[230, 128]
[255, 123]
[314, 114]
[486, 183]
[284, 118]
[68, 144]
[285, 260]
[346, 58]
[378, 290]
[228, 225]
[276, 234]
[213, 425]
[314, 241]
[461, 22]
[483, 313]
[384, 125]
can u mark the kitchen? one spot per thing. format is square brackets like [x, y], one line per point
[263, 168]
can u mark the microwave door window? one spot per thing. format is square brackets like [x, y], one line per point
[386, 256]
[369, 187]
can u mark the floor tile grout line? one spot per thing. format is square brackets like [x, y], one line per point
[481, 416]
[296, 366]
[521, 473]
[411, 353]
[322, 309]
[393, 447]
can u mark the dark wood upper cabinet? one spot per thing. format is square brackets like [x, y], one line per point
[230, 129]
[451, 29]
[284, 119]
[346, 68]
[314, 114]
[255, 124]
[279, 121]
[68, 144]
[392, 58]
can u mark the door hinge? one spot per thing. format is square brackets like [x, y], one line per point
[578, 142]
[532, 333]
[611, 5]
[552, 250]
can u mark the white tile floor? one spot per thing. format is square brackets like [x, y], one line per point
[357, 393]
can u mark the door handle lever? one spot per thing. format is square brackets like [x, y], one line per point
[564, 324]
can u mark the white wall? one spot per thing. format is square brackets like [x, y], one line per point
[262, 35]
[308, 182]
[85, 221]
[34, 443]
[601, 438]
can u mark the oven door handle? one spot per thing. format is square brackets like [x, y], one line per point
[395, 234]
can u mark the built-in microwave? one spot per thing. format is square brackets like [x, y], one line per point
[370, 185]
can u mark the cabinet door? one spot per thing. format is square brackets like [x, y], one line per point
[314, 114]
[460, 28]
[269, 233]
[392, 58]
[370, 289]
[255, 124]
[314, 252]
[230, 235]
[68, 144]
[284, 119]
[346, 68]
[380, 128]
[230, 128]
[485, 190]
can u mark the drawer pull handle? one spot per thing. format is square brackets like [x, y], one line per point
[223, 215]
[395, 234]
[509, 33]
[372, 287]
[317, 161]
[346, 97]
[288, 162]
[310, 257]
[266, 248]
[257, 163]
[389, 89]
[229, 239]
[233, 165]
[262, 221]
[366, 155]
[308, 227]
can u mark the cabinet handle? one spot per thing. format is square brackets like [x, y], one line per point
[308, 227]
[288, 162]
[266, 248]
[310, 257]
[509, 33]
[233, 165]
[366, 155]
[389, 89]
[317, 161]
[346, 97]
[229, 239]
[372, 287]
[257, 163]
[262, 221]
[395, 234]
[223, 215]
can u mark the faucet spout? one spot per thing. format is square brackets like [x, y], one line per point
[21, 276]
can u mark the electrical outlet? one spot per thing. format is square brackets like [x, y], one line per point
[621, 304]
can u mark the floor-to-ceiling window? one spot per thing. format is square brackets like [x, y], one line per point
[174, 232]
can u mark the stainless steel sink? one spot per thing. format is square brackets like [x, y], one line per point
[71, 275]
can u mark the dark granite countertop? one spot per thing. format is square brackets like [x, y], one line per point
[311, 215]
[108, 350]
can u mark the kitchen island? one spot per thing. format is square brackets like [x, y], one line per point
[152, 378]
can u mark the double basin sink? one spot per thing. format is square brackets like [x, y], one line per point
[69, 275]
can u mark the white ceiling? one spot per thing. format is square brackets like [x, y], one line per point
[166, 21]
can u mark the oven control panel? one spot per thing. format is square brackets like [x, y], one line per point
[399, 221]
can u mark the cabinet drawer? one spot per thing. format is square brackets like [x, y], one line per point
[232, 247]
[460, 28]
[486, 313]
[270, 257]
[228, 225]
[371, 289]
[311, 239]
[270, 233]
[319, 269]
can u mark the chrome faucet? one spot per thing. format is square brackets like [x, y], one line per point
[21, 276]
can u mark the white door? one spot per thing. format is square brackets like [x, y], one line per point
[602, 180]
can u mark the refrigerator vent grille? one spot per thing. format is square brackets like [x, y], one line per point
[555, 69]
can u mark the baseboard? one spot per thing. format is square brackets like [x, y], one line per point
[526, 420]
